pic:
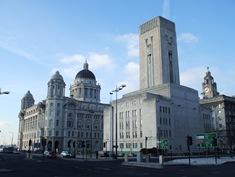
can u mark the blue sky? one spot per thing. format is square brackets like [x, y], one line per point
[39, 37]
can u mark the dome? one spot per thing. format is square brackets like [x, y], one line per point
[28, 95]
[57, 76]
[85, 73]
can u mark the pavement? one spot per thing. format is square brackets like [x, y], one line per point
[184, 161]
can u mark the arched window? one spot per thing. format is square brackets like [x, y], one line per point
[70, 120]
[96, 124]
[70, 123]
[88, 124]
[80, 123]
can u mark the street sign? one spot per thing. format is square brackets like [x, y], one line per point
[204, 140]
[36, 145]
[164, 144]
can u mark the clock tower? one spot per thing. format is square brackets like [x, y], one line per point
[209, 87]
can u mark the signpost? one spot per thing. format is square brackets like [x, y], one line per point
[164, 144]
[205, 140]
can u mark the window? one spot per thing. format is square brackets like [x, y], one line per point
[91, 93]
[88, 124]
[96, 125]
[70, 123]
[57, 122]
[95, 93]
[80, 123]
[141, 134]
[121, 145]
[50, 122]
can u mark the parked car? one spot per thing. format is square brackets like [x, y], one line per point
[65, 154]
[51, 155]
[46, 153]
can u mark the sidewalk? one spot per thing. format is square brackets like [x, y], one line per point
[193, 161]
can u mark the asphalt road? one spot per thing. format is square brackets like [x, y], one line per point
[15, 165]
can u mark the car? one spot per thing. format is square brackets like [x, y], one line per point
[51, 155]
[121, 154]
[46, 153]
[65, 154]
[16, 152]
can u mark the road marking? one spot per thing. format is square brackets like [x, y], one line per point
[102, 168]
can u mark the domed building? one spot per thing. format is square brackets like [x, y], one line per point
[64, 123]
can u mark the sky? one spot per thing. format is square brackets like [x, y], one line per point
[37, 38]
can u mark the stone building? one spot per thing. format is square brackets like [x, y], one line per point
[65, 122]
[162, 110]
[223, 112]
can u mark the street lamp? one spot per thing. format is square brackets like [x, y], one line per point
[117, 90]
[12, 138]
[6, 92]
[111, 124]
[159, 140]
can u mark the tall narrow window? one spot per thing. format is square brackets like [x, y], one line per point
[170, 66]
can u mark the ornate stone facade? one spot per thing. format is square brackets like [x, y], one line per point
[64, 121]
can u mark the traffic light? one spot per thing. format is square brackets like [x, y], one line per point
[69, 145]
[83, 143]
[104, 144]
[189, 140]
[30, 142]
[214, 141]
[87, 145]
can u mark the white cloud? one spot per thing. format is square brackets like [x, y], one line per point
[166, 9]
[193, 77]
[132, 43]
[132, 71]
[188, 38]
[102, 61]
[71, 59]
[4, 124]
[75, 63]
[130, 87]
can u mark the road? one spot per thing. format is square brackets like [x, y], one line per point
[15, 165]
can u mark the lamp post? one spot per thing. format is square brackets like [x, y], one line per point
[6, 92]
[116, 91]
[159, 140]
[111, 124]
[12, 138]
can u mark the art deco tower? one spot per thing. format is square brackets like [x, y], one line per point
[158, 53]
